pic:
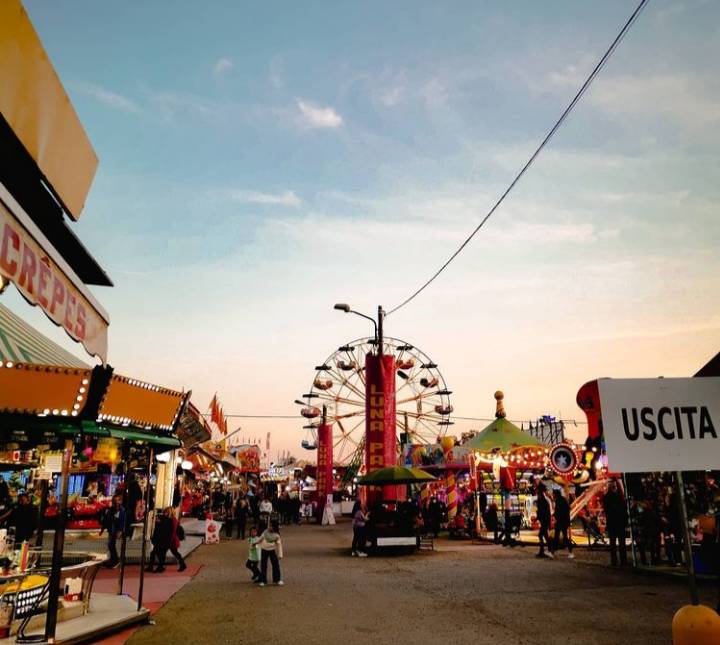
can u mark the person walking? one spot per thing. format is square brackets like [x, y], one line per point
[228, 514]
[242, 509]
[114, 523]
[266, 510]
[165, 537]
[434, 515]
[359, 537]
[253, 554]
[22, 516]
[271, 549]
[562, 523]
[616, 519]
[544, 513]
[491, 521]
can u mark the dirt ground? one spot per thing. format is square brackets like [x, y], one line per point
[460, 593]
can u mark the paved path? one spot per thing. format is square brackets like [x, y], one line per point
[458, 594]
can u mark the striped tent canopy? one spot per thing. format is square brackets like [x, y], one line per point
[21, 342]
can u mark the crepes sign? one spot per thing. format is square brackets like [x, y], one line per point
[44, 283]
[661, 424]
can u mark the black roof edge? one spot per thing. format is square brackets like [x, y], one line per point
[22, 177]
[711, 368]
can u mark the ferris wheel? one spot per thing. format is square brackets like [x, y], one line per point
[421, 397]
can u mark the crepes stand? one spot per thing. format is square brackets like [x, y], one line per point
[54, 417]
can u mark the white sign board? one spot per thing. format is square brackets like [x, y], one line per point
[212, 531]
[661, 424]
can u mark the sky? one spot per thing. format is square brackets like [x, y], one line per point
[260, 162]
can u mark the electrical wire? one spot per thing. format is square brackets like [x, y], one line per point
[555, 128]
[258, 416]
[295, 416]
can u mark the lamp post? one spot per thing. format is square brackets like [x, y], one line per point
[378, 325]
[380, 420]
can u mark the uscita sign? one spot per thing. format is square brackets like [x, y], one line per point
[661, 424]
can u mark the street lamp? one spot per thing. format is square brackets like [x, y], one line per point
[342, 306]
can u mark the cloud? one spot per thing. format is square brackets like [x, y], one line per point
[222, 66]
[277, 76]
[315, 116]
[109, 98]
[682, 98]
[434, 93]
[172, 105]
[285, 198]
[689, 99]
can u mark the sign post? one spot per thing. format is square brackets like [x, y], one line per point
[680, 484]
[666, 424]
[671, 425]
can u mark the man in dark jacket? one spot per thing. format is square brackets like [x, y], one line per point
[114, 523]
[544, 514]
[23, 517]
[562, 522]
[616, 519]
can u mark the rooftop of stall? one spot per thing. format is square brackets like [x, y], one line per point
[45, 400]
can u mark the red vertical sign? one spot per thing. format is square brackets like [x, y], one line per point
[324, 465]
[380, 440]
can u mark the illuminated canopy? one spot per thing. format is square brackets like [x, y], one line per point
[89, 399]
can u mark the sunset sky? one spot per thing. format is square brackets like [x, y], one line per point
[261, 161]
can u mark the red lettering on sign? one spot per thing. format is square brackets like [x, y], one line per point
[58, 296]
[11, 240]
[81, 321]
[70, 310]
[29, 267]
[43, 281]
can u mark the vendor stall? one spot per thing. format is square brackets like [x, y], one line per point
[92, 425]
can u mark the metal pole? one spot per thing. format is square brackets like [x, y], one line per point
[128, 518]
[151, 455]
[381, 313]
[58, 547]
[633, 550]
[692, 582]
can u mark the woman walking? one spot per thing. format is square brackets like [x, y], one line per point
[164, 537]
[241, 514]
[359, 520]
[271, 549]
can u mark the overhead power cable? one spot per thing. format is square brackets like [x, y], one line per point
[295, 416]
[555, 128]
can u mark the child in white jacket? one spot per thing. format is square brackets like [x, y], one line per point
[271, 549]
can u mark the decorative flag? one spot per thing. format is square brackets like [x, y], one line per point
[217, 416]
[215, 410]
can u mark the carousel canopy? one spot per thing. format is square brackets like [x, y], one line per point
[501, 436]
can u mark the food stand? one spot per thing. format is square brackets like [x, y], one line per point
[393, 523]
[57, 420]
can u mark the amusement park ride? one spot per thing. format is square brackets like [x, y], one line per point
[372, 390]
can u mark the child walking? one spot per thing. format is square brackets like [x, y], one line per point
[253, 554]
[271, 549]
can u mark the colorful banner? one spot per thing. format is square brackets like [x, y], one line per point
[324, 462]
[380, 429]
[248, 458]
[42, 282]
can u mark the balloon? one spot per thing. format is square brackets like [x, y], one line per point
[447, 443]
